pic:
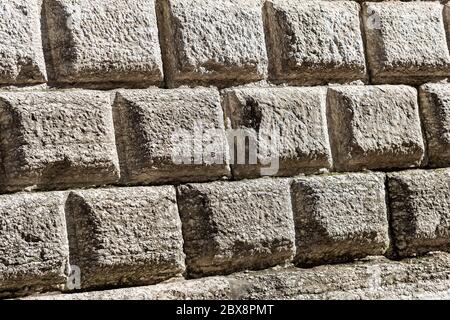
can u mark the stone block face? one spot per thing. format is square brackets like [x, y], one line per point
[171, 135]
[314, 42]
[374, 127]
[406, 41]
[57, 139]
[22, 57]
[231, 226]
[420, 206]
[212, 42]
[104, 41]
[34, 252]
[339, 217]
[435, 111]
[125, 236]
[301, 147]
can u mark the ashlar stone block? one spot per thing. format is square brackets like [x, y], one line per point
[217, 42]
[21, 54]
[57, 139]
[314, 42]
[339, 217]
[231, 226]
[406, 41]
[171, 135]
[104, 41]
[374, 127]
[435, 111]
[287, 127]
[420, 206]
[34, 253]
[125, 236]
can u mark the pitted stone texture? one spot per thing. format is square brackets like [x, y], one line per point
[231, 226]
[302, 145]
[420, 206]
[374, 127]
[339, 218]
[158, 130]
[125, 236]
[22, 57]
[217, 42]
[34, 253]
[217, 288]
[104, 40]
[57, 139]
[374, 278]
[435, 109]
[314, 42]
[406, 41]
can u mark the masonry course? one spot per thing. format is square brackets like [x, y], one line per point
[118, 155]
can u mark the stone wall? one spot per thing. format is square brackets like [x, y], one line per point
[92, 93]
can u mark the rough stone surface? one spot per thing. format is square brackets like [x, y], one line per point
[288, 124]
[57, 139]
[231, 226]
[125, 236]
[374, 127]
[406, 41]
[156, 130]
[216, 288]
[420, 206]
[377, 278]
[435, 110]
[104, 40]
[314, 42]
[217, 42]
[34, 253]
[22, 57]
[339, 218]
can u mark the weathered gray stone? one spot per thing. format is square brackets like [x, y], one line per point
[22, 57]
[406, 41]
[231, 226]
[34, 252]
[374, 127]
[104, 40]
[339, 218]
[216, 288]
[375, 278]
[57, 139]
[435, 109]
[420, 206]
[157, 130]
[286, 124]
[313, 42]
[217, 42]
[125, 236]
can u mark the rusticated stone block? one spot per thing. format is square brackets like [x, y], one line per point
[313, 42]
[420, 211]
[374, 127]
[406, 41]
[339, 218]
[104, 41]
[22, 57]
[217, 42]
[126, 236]
[57, 139]
[231, 226]
[435, 109]
[34, 253]
[171, 135]
[302, 145]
